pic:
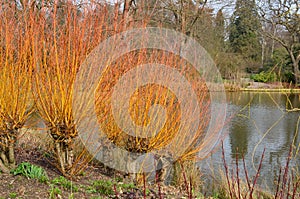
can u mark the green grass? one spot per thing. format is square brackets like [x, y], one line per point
[12, 195]
[65, 183]
[101, 186]
[31, 171]
[106, 187]
[53, 192]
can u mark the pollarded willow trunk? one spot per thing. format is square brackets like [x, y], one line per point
[65, 155]
[7, 150]
[64, 147]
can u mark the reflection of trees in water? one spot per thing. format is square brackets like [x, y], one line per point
[239, 137]
[244, 135]
[263, 111]
[262, 99]
[239, 99]
[288, 127]
[278, 157]
[294, 100]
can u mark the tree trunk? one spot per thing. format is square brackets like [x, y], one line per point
[11, 154]
[4, 165]
[295, 61]
[65, 155]
[126, 15]
[297, 73]
[263, 45]
[63, 137]
[163, 169]
[7, 152]
[4, 168]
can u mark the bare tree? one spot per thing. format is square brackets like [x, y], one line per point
[284, 18]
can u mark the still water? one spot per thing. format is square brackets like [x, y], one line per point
[258, 122]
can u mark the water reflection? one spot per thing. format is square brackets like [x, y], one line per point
[239, 137]
[260, 122]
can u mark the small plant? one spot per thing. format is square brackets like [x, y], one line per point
[65, 183]
[54, 191]
[126, 186]
[31, 171]
[119, 179]
[107, 187]
[102, 187]
[71, 196]
[12, 195]
[219, 194]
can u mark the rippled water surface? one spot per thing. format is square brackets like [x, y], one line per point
[258, 122]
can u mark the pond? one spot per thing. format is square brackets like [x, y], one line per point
[258, 122]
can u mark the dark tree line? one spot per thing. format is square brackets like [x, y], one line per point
[250, 37]
[246, 38]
